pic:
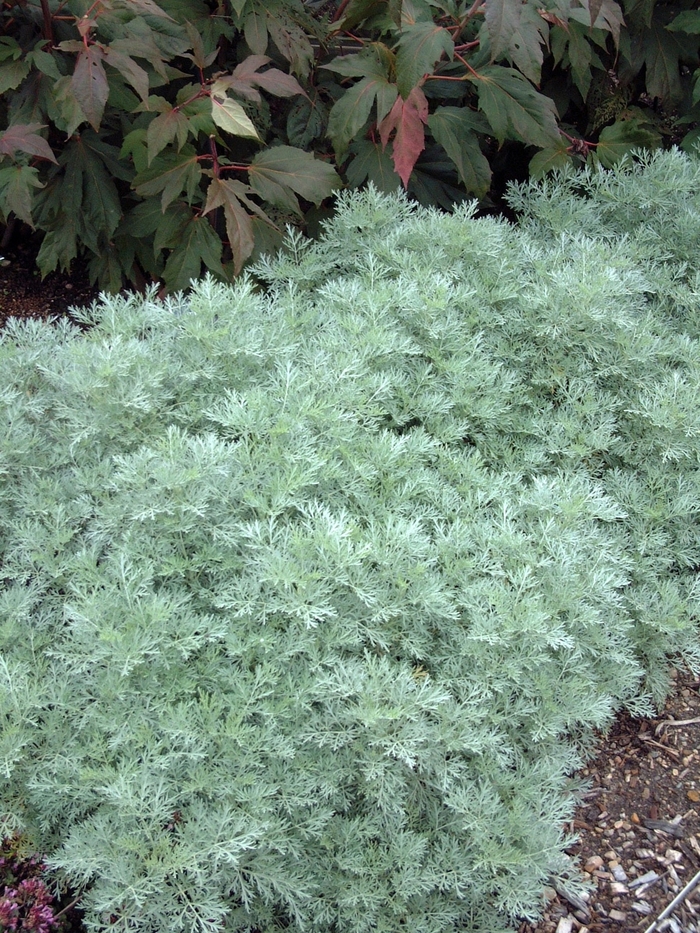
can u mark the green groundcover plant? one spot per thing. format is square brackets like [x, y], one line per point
[315, 586]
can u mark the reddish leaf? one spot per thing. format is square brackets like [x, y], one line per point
[245, 80]
[89, 84]
[23, 137]
[239, 227]
[407, 118]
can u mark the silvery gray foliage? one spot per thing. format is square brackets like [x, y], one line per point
[313, 596]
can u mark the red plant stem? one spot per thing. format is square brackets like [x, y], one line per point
[48, 24]
[215, 157]
[339, 12]
[467, 65]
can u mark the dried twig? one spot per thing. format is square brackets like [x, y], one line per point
[675, 722]
[678, 899]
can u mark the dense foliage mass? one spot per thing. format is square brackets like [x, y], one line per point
[158, 138]
[313, 593]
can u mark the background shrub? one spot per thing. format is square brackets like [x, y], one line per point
[160, 138]
[313, 594]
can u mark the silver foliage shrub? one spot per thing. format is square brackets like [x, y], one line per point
[313, 593]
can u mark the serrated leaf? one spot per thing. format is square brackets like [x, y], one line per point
[171, 173]
[371, 163]
[16, 182]
[101, 206]
[239, 226]
[351, 112]
[142, 220]
[622, 137]
[134, 145]
[687, 21]
[132, 73]
[420, 47]
[502, 19]
[255, 32]
[609, 16]
[373, 61]
[147, 7]
[580, 60]
[199, 56]
[163, 130]
[199, 244]
[12, 74]
[546, 160]
[141, 45]
[662, 52]
[292, 42]
[89, 84]
[278, 172]
[455, 129]
[9, 48]
[357, 11]
[231, 117]
[514, 108]
[23, 137]
[45, 63]
[525, 49]
[246, 77]
[407, 117]
[170, 226]
[306, 121]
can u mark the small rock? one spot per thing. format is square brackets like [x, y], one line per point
[642, 907]
[673, 855]
[635, 818]
[616, 887]
[593, 863]
[566, 924]
[619, 873]
[618, 915]
[694, 795]
[646, 853]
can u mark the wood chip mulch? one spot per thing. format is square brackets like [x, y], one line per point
[638, 828]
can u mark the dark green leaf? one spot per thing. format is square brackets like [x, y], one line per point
[163, 130]
[372, 163]
[687, 21]
[255, 32]
[351, 112]
[12, 74]
[623, 136]
[307, 120]
[420, 47]
[199, 244]
[172, 173]
[276, 173]
[546, 160]
[662, 51]
[16, 182]
[455, 129]
[525, 48]
[132, 73]
[292, 42]
[502, 20]
[514, 108]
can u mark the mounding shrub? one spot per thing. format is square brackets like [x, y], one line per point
[315, 586]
